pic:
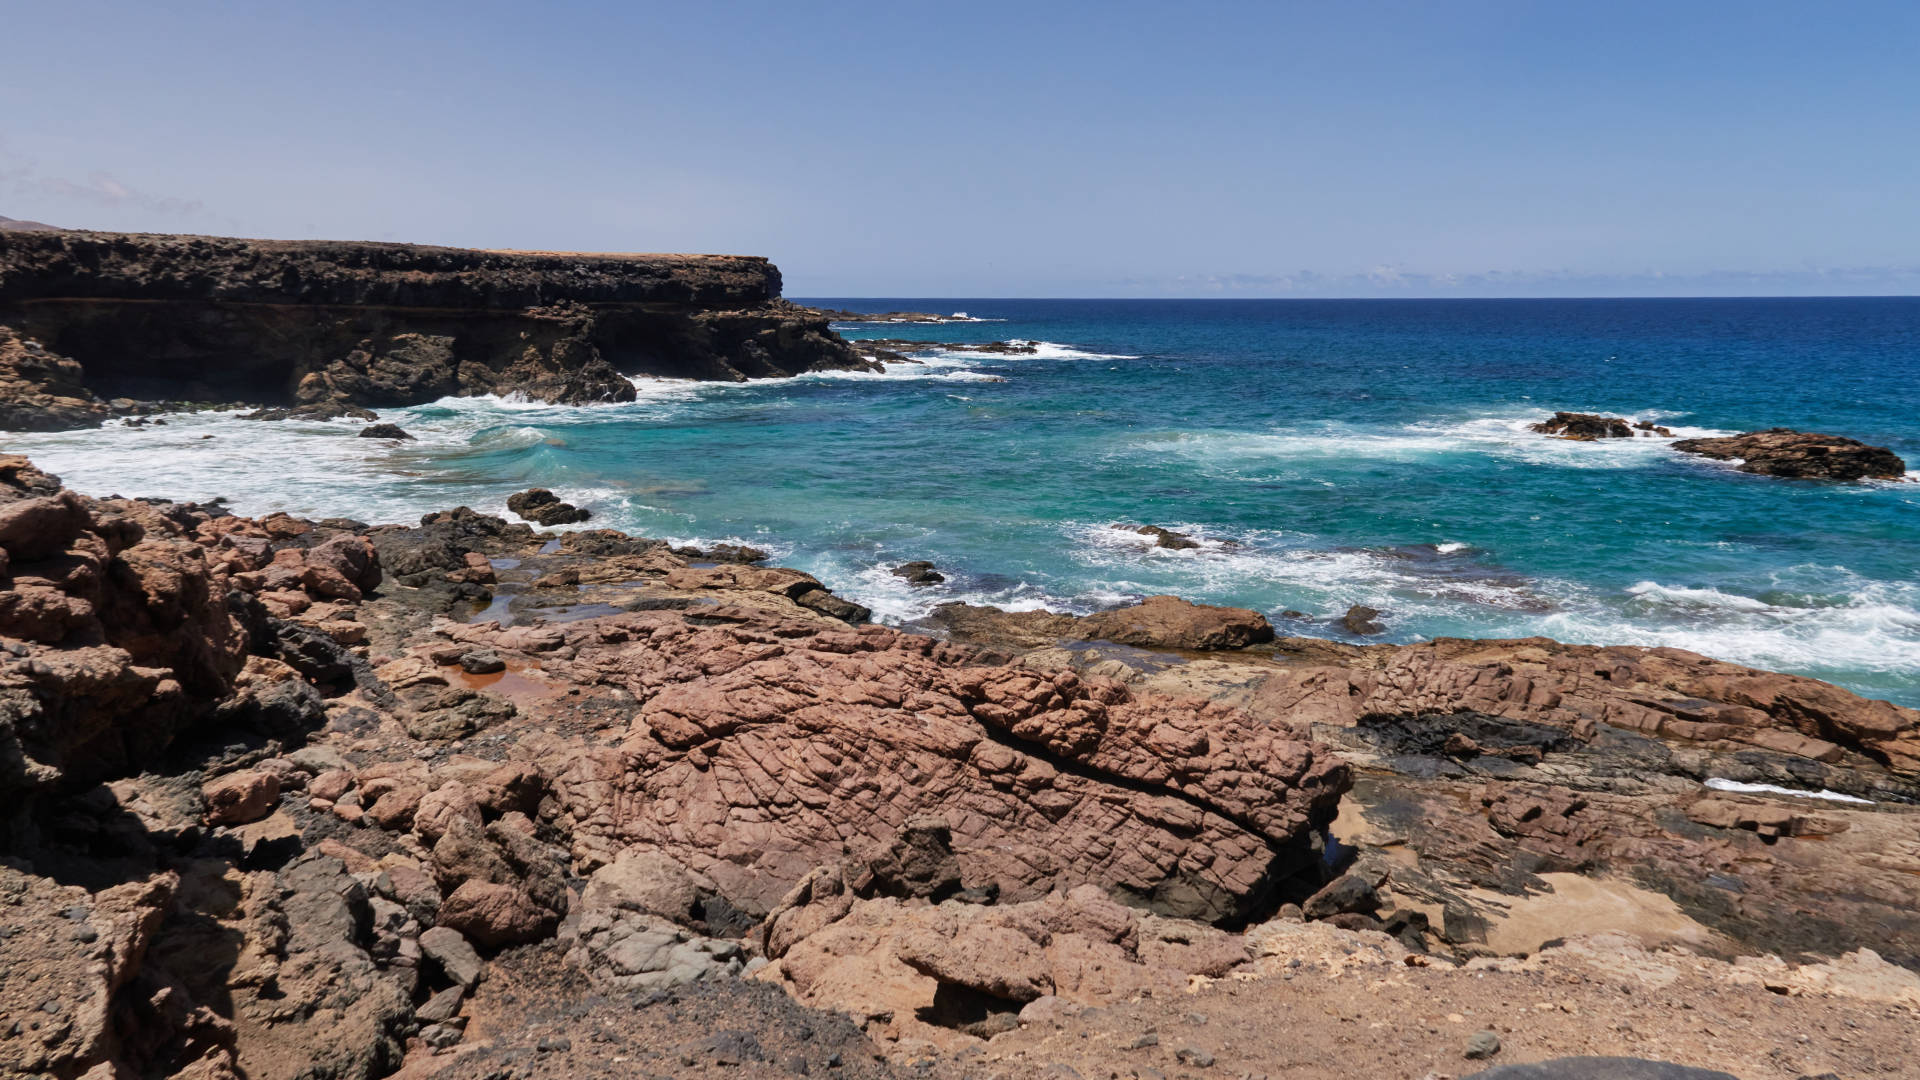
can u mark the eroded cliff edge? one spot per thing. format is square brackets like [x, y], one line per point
[333, 327]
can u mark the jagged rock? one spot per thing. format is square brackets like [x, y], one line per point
[117, 614]
[919, 572]
[545, 508]
[1362, 620]
[1162, 537]
[506, 888]
[240, 797]
[836, 607]
[724, 553]
[446, 947]
[1584, 427]
[1785, 452]
[385, 431]
[43, 391]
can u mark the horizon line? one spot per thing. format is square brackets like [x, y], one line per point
[1386, 299]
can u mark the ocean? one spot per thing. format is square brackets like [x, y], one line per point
[1325, 453]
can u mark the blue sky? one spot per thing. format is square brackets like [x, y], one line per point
[1120, 149]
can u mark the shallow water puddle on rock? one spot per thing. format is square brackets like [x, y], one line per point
[513, 682]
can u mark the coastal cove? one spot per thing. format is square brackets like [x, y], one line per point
[1324, 453]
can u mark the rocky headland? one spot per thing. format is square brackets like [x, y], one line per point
[322, 328]
[294, 798]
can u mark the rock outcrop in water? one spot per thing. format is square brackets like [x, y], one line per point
[1586, 427]
[329, 328]
[1785, 452]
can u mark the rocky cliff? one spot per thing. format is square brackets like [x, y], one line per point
[330, 328]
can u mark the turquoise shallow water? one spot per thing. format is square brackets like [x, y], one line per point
[1329, 452]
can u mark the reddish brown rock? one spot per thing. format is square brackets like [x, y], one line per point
[761, 748]
[240, 797]
[930, 969]
[1158, 622]
[1660, 691]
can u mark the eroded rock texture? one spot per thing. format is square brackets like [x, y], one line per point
[324, 328]
[762, 746]
[1785, 452]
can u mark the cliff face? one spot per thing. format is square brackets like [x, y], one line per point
[327, 326]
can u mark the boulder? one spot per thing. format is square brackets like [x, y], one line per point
[385, 431]
[457, 959]
[1168, 622]
[1362, 620]
[919, 572]
[240, 797]
[543, 507]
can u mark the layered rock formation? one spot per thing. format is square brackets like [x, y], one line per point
[330, 328]
[1785, 452]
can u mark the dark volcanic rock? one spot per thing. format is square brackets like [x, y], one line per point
[543, 506]
[919, 572]
[384, 431]
[1362, 620]
[1162, 537]
[43, 391]
[722, 553]
[1585, 426]
[319, 325]
[1601, 1068]
[1785, 452]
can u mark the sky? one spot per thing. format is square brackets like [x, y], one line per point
[1118, 149]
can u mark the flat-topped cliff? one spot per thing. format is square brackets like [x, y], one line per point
[331, 327]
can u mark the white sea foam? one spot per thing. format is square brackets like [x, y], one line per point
[1851, 624]
[1226, 569]
[1231, 453]
[1719, 784]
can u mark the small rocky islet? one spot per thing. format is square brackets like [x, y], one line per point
[1772, 452]
[469, 798]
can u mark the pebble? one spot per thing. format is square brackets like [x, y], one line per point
[1194, 1056]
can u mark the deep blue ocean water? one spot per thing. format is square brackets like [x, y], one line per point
[1329, 453]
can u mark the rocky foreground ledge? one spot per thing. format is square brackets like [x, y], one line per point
[294, 798]
[334, 328]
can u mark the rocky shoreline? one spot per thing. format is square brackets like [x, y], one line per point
[101, 322]
[464, 799]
